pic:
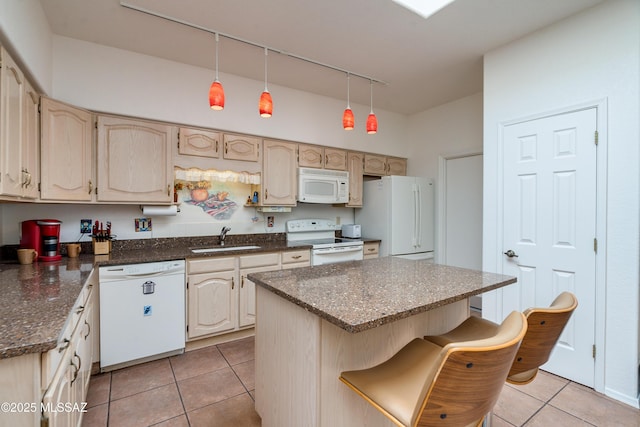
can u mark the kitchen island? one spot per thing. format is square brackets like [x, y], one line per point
[315, 322]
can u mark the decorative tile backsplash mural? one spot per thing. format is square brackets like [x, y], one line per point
[217, 193]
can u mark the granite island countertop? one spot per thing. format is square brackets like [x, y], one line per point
[361, 295]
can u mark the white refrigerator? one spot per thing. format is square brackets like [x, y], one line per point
[399, 210]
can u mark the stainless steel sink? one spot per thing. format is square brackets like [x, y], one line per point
[223, 249]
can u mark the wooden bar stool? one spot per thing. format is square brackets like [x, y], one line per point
[425, 384]
[545, 325]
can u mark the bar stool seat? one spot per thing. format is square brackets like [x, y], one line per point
[455, 385]
[545, 325]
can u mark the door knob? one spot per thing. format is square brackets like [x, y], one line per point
[511, 254]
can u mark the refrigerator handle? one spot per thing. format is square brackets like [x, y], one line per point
[414, 237]
[418, 216]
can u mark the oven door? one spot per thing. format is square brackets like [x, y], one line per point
[336, 254]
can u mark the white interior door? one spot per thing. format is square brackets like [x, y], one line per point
[549, 216]
[463, 215]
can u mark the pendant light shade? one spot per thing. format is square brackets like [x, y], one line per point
[348, 121]
[265, 105]
[372, 120]
[216, 91]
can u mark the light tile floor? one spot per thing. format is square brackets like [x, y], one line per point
[214, 386]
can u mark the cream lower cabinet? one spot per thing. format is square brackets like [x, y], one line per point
[220, 298]
[252, 264]
[135, 161]
[70, 366]
[371, 250]
[212, 297]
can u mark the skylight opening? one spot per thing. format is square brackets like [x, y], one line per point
[424, 8]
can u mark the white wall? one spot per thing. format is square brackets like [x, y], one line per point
[448, 130]
[588, 57]
[25, 32]
[112, 80]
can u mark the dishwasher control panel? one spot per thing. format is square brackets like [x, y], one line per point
[117, 272]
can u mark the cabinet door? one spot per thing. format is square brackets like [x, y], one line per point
[66, 169]
[355, 162]
[30, 152]
[247, 314]
[279, 173]
[199, 142]
[212, 302]
[11, 126]
[241, 147]
[134, 160]
[310, 156]
[60, 391]
[374, 164]
[335, 159]
[396, 166]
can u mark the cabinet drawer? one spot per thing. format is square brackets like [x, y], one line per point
[371, 248]
[296, 256]
[261, 260]
[207, 265]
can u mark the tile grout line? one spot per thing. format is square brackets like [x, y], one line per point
[545, 403]
[184, 409]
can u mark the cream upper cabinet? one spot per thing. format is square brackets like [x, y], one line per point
[134, 160]
[335, 158]
[12, 98]
[278, 186]
[310, 156]
[315, 156]
[19, 132]
[30, 147]
[66, 170]
[396, 166]
[241, 147]
[199, 142]
[375, 164]
[355, 164]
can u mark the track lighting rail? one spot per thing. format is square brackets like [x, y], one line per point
[251, 43]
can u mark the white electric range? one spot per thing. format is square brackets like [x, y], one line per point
[326, 248]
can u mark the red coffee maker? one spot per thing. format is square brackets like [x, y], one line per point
[43, 235]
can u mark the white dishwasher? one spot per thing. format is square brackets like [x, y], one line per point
[142, 312]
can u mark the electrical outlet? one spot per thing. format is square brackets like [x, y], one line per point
[85, 226]
[270, 221]
[143, 224]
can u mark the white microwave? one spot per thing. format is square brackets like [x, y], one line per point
[323, 186]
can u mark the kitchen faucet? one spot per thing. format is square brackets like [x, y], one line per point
[223, 234]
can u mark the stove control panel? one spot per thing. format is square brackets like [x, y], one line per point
[306, 225]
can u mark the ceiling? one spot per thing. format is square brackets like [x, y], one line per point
[424, 62]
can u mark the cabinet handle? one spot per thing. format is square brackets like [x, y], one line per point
[168, 189]
[90, 186]
[266, 194]
[326, 159]
[75, 374]
[28, 183]
[226, 148]
[216, 145]
[88, 329]
[242, 281]
[296, 256]
[371, 249]
[233, 283]
[80, 309]
[64, 346]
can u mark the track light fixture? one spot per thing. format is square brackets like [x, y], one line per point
[372, 121]
[348, 121]
[265, 105]
[216, 91]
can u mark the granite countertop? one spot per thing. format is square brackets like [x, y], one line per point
[361, 295]
[37, 298]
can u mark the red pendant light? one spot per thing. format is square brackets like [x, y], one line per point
[348, 121]
[265, 105]
[372, 121]
[216, 91]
